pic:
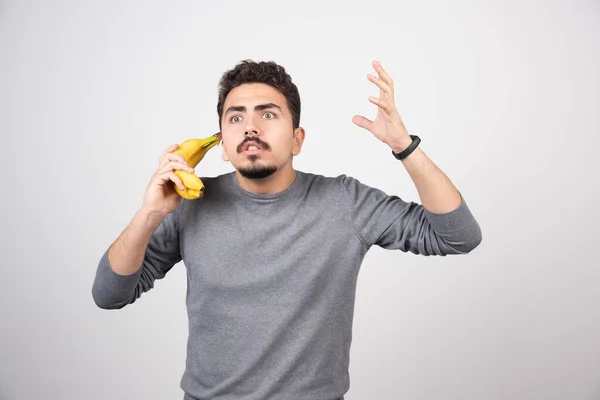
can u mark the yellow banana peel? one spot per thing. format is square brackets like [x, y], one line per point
[193, 151]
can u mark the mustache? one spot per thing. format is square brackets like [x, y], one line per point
[256, 141]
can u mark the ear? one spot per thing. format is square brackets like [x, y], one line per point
[299, 135]
[224, 155]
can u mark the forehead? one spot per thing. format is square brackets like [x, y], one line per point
[250, 94]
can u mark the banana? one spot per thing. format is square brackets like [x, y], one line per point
[193, 151]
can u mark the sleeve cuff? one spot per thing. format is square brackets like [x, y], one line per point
[458, 225]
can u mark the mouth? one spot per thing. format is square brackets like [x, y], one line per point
[253, 150]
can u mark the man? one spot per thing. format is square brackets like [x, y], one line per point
[272, 253]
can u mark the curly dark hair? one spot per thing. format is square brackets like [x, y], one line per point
[268, 72]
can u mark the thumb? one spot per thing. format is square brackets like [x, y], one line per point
[362, 122]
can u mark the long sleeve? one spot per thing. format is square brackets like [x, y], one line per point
[392, 223]
[113, 291]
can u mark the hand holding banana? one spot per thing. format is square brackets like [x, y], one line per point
[175, 178]
[193, 151]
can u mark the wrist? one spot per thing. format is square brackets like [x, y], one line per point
[149, 218]
[402, 145]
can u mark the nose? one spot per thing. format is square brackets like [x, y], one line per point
[251, 127]
[251, 132]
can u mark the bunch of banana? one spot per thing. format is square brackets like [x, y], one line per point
[193, 151]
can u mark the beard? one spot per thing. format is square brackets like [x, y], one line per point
[257, 171]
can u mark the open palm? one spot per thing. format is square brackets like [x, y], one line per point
[387, 126]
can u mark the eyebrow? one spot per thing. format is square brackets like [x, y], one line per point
[258, 107]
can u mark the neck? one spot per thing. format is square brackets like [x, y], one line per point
[275, 183]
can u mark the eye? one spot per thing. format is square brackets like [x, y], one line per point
[231, 119]
[270, 113]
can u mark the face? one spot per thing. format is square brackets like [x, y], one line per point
[257, 115]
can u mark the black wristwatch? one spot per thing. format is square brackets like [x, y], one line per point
[406, 152]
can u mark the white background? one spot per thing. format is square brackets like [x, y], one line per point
[504, 95]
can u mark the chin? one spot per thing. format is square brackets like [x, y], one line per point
[257, 171]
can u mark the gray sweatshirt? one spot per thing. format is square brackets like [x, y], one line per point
[272, 279]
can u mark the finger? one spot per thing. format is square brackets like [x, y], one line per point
[164, 178]
[385, 88]
[169, 149]
[177, 180]
[362, 122]
[384, 105]
[173, 165]
[172, 157]
[384, 75]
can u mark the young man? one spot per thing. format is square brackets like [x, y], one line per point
[272, 253]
